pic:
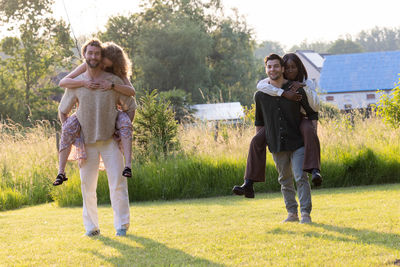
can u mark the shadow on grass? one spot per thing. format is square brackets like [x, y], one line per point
[352, 235]
[147, 253]
[230, 200]
[356, 189]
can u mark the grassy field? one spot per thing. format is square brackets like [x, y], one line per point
[354, 226]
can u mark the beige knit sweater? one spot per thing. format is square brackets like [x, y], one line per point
[97, 110]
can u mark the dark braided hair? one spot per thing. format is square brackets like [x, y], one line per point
[302, 72]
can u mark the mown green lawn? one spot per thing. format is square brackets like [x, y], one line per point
[356, 226]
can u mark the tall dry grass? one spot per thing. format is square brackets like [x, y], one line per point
[28, 161]
[354, 152]
[341, 135]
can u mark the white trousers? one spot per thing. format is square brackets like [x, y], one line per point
[89, 172]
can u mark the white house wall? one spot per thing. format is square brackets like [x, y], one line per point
[352, 100]
[312, 71]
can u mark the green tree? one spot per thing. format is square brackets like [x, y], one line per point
[10, 96]
[162, 12]
[232, 62]
[379, 39]
[41, 47]
[345, 46]
[266, 48]
[168, 42]
[174, 56]
[318, 46]
[388, 107]
[189, 45]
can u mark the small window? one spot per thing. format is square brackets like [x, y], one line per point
[330, 98]
[370, 96]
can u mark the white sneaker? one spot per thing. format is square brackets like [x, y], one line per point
[292, 217]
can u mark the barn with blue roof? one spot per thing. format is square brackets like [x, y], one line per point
[351, 80]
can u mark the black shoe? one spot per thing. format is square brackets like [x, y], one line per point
[245, 189]
[316, 177]
[60, 179]
[127, 172]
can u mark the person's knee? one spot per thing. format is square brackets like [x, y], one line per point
[301, 179]
[120, 185]
[258, 142]
[306, 128]
[285, 181]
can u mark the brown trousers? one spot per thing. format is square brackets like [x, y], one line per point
[256, 160]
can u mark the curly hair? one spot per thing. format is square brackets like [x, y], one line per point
[92, 42]
[121, 63]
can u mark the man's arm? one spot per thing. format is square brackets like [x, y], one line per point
[67, 102]
[131, 114]
[259, 119]
[267, 88]
[127, 103]
[63, 117]
[69, 81]
[126, 88]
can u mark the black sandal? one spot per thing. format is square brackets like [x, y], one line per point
[127, 172]
[60, 179]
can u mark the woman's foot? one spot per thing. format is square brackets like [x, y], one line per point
[60, 179]
[245, 189]
[127, 172]
[316, 177]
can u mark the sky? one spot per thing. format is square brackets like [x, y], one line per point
[288, 22]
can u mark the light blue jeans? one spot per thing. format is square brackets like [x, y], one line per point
[289, 165]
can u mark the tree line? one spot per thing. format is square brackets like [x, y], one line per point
[189, 47]
[372, 40]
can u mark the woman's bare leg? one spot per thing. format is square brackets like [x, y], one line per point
[62, 159]
[127, 150]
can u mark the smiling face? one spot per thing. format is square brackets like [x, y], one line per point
[291, 70]
[274, 69]
[93, 56]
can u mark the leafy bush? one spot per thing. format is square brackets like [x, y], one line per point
[11, 199]
[250, 114]
[328, 111]
[388, 107]
[155, 128]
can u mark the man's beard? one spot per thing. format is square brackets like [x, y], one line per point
[92, 66]
[277, 77]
